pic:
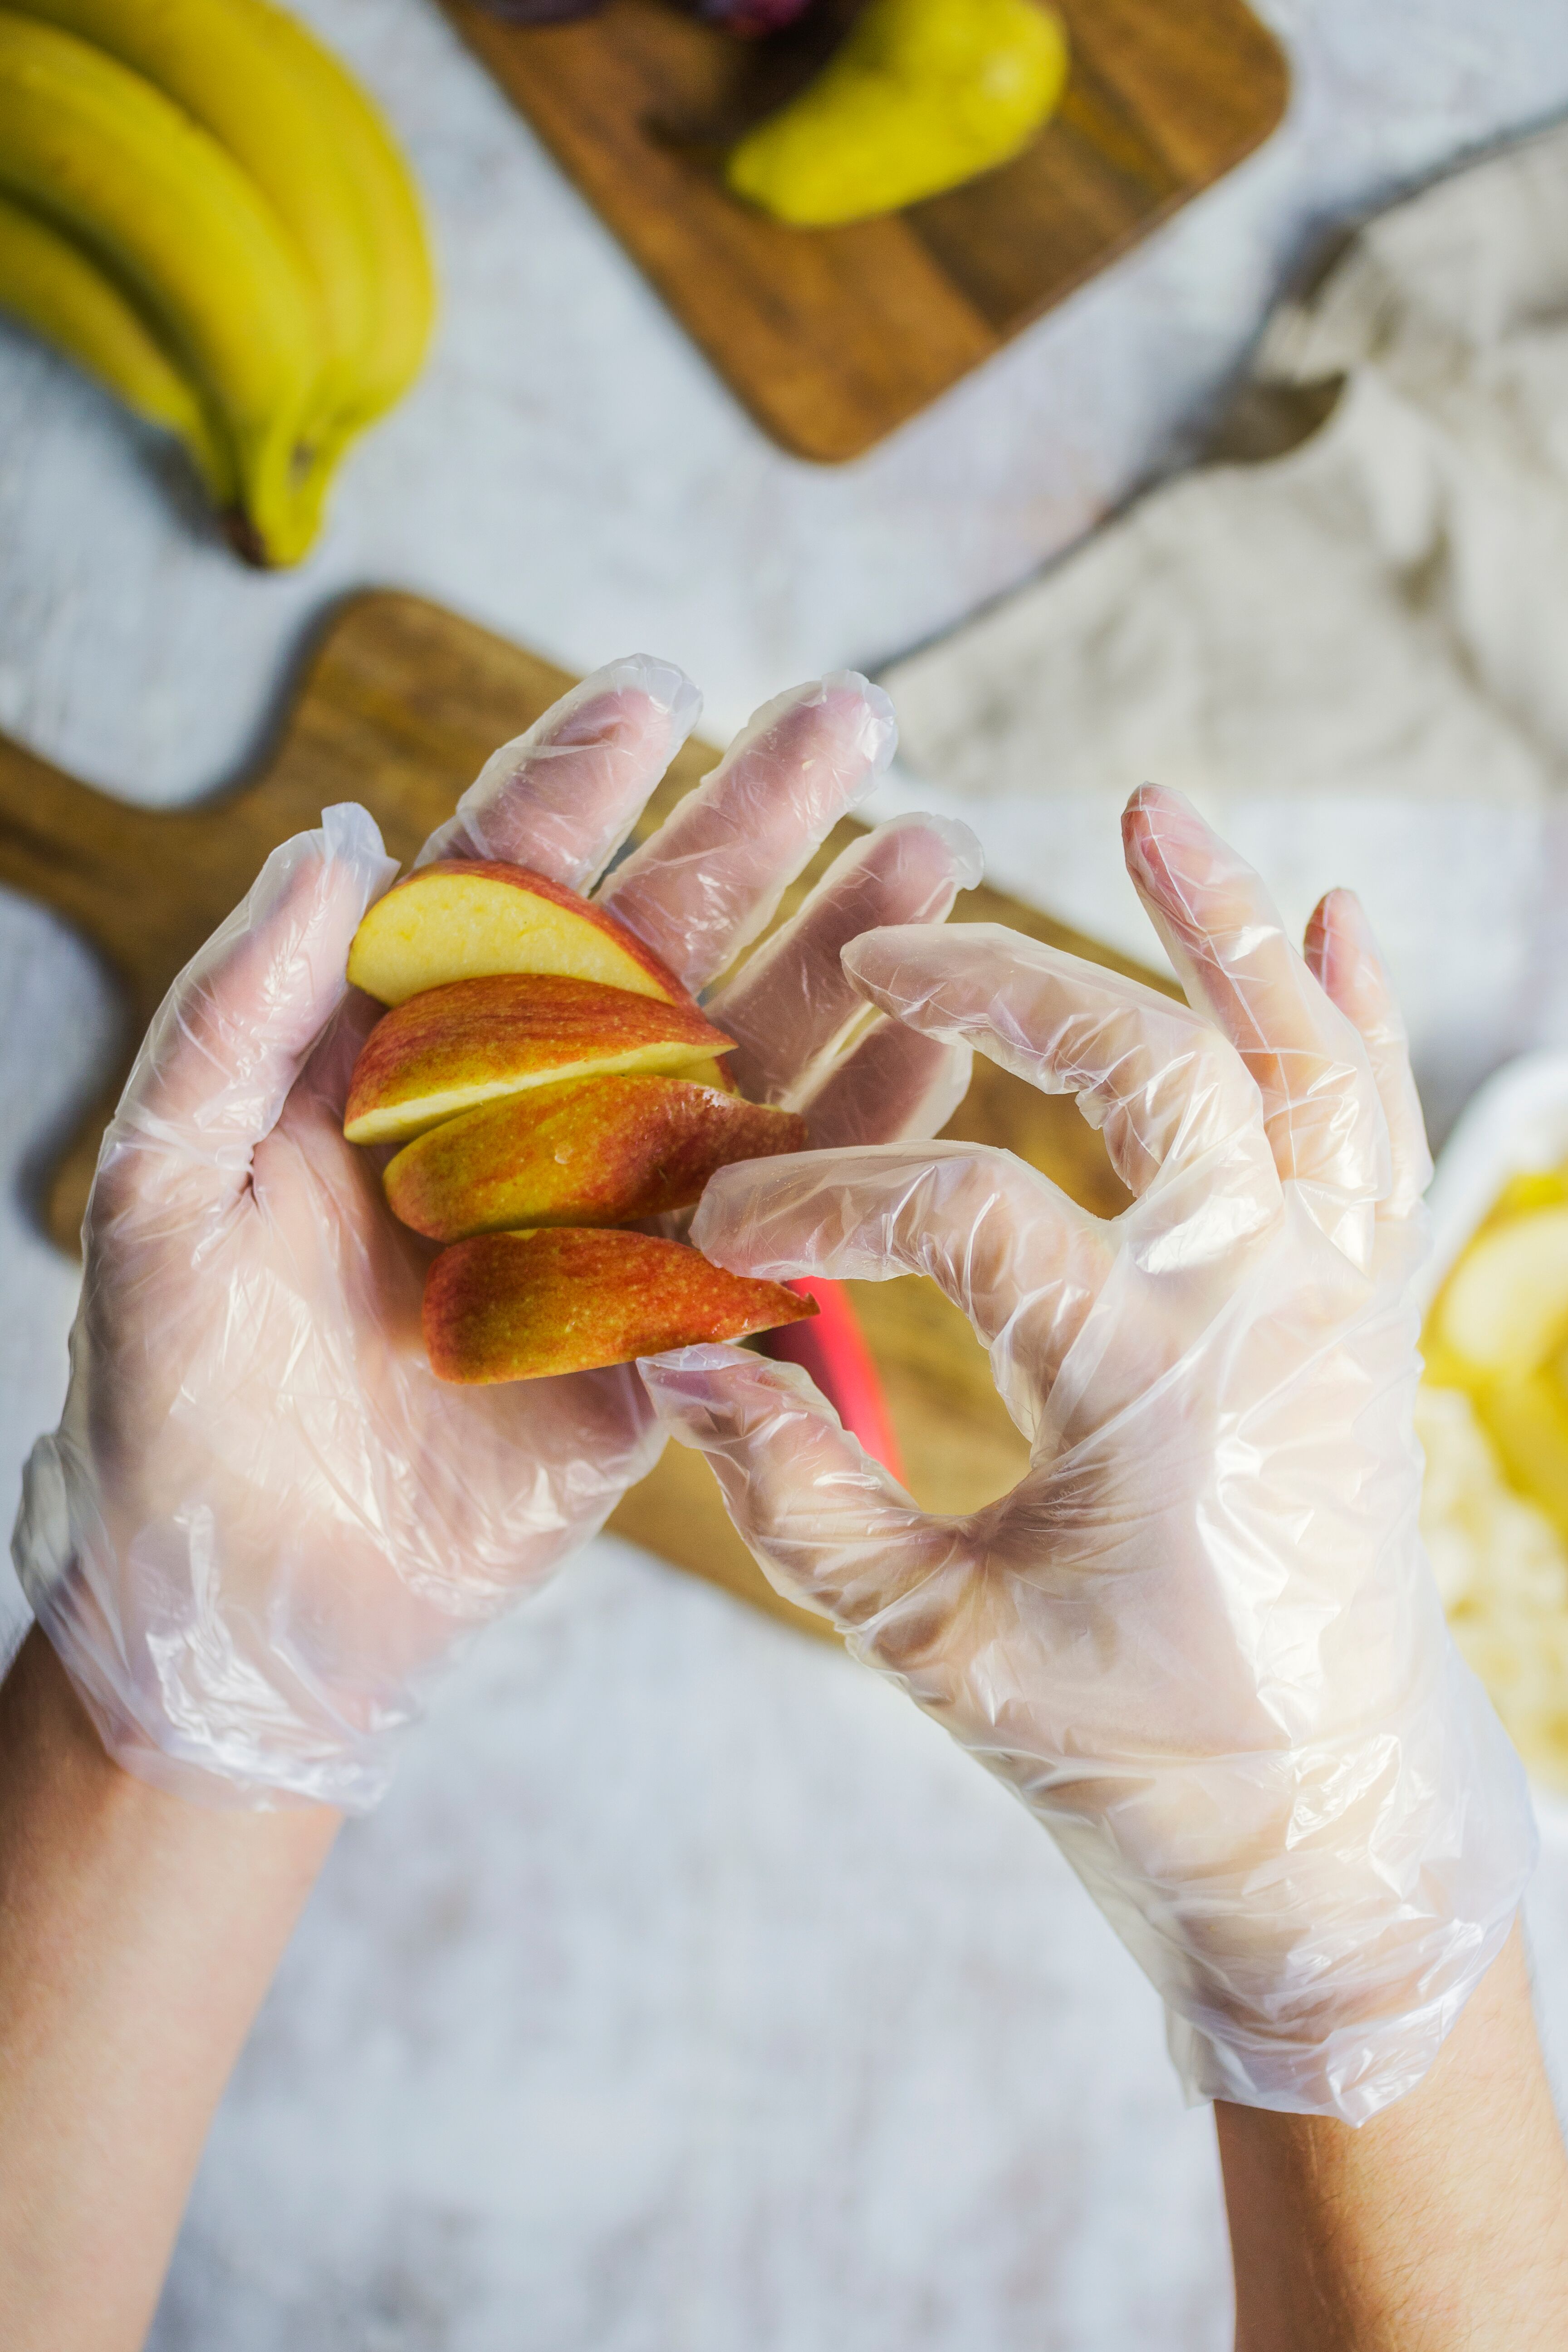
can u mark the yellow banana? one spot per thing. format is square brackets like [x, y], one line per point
[317, 149]
[54, 287]
[406, 277]
[106, 156]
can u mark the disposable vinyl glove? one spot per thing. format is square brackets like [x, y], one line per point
[262, 1524]
[1200, 1638]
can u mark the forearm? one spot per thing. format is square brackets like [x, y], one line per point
[1442, 2222]
[138, 1935]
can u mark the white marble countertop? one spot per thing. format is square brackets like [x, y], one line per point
[689, 1991]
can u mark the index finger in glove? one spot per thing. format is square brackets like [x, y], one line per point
[231, 1036]
[713, 875]
[1172, 1098]
[1010, 1250]
[793, 1003]
[1219, 926]
[892, 1083]
[563, 797]
[1342, 956]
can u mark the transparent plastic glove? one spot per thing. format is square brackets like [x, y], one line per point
[262, 1524]
[1200, 1638]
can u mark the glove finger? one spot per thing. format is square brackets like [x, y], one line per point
[1011, 1252]
[793, 1003]
[1343, 957]
[831, 1529]
[1172, 1098]
[713, 874]
[329, 1073]
[231, 1036]
[563, 797]
[1219, 926]
[892, 1083]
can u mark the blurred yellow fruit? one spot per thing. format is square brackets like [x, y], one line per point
[57, 289]
[1506, 1304]
[222, 230]
[110, 162]
[920, 96]
[1527, 1420]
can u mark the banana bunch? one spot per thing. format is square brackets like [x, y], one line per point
[203, 209]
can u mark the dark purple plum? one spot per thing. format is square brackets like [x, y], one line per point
[540, 12]
[753, 19]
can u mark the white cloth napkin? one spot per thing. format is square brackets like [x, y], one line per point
[1354, 655]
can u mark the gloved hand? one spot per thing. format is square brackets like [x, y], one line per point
[1200, 1638]
[262, 1523]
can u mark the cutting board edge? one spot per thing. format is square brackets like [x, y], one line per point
[486, 680]
[481, 34]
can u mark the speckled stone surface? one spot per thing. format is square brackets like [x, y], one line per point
[689, 1993]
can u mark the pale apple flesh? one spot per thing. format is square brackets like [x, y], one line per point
[462, 920]
[572, 1299]
[478, 1041]
[593, 1151]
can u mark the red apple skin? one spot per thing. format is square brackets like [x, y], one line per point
[593, 1151]
[443, 1052]
[572, 1299]
[423, 933]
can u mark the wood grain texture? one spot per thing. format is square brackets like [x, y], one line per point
[831, 337]
[399, 706]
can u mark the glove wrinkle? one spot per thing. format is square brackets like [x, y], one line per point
[1199, 1640]
[263, 1527]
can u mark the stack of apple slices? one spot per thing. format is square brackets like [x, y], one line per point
[547, 1080]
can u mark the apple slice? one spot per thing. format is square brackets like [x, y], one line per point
[462, 920]
[570, 1299]
[476, 1040]
[710, 1074]
[593, 1151]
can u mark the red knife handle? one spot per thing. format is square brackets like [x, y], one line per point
[832, 1349]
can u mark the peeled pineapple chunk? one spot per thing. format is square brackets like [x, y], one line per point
[1506, 1305]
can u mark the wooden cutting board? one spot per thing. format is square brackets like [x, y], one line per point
[832, 337]
[399, 705]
